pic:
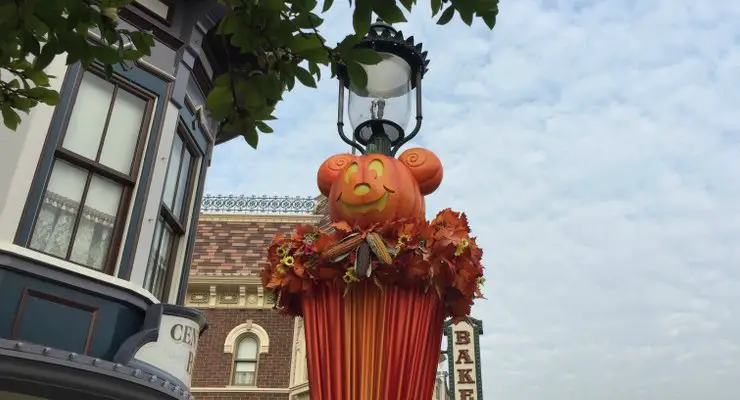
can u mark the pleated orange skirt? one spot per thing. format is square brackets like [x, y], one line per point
[372, 344]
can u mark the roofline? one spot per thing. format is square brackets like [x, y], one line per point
[270, 218]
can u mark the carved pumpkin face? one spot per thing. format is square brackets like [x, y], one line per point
[374, 188]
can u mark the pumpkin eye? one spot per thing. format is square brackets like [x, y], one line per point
[377, 166]
[351, 170]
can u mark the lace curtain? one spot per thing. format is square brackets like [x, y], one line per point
[55, 225]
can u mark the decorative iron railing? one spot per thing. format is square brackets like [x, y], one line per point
[257, 204]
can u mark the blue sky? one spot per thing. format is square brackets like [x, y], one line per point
[594, 146]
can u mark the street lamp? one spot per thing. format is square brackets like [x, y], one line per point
[379, 113]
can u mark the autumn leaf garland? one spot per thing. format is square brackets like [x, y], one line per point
[434, 255]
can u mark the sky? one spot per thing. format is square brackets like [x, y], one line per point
[595, 147]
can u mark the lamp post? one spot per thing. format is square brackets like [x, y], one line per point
[379, 113]
[374, 292]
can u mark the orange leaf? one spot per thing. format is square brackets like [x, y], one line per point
[342, 226]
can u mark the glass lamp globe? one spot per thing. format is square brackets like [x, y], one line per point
[384, 106]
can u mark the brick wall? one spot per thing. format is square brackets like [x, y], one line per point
[213, 366]
[240, 396]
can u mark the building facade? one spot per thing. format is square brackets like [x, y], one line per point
[99, 200]
[250, 351]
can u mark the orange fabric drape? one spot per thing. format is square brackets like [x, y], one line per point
[372, 345]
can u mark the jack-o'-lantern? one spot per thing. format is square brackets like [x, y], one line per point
[375, 188]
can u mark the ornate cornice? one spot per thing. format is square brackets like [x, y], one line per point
[209, 291]
[271, 218]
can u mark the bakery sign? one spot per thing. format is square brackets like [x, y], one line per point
[463, 355]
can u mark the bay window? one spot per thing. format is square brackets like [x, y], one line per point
[96, 163]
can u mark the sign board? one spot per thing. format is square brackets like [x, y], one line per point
[175, 348]
[463, 354]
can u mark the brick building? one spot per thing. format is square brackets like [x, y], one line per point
[250, 351]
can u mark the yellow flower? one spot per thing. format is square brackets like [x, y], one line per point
[464, 243]
[403, 239]
[480, 281]
[281, 270]
[282, 251]
[287, 261]
[350, 276]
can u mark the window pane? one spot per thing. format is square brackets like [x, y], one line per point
[96, 225]
[123, 131]
[182, 185]
[56, 218]
[172, 169]
[159, 261]
[246, 366]
[245, 373]
[151, 267]
[247, 348]
[87, 122]
[163, 265]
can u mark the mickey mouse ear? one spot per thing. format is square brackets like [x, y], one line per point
[330, 169]
[426, 168]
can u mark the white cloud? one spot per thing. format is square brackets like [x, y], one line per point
[595, 147]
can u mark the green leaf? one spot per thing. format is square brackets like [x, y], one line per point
[464, 10]
[222, 80]
[268, 86]
[327, 5]
[407, 4]
[362, 16]
[314, 69]
[227, 26]
[30, 44]
[272, 5]
[142, 41]
[365, 56]
[289, 81]
[305, 77]
[357, 75]
[22, 103]
[263, 127]
[39, 78]
[308, 21]
[252, 137]
[131, 54]
[320, 56]
[249, 93]
[446, 16]
[305, 42]
[389, 12]
[436, 6]
[48, 96]
[11, 119]
[489, 19]
[219, 102]
[46, 56]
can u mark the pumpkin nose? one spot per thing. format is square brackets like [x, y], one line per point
[362, 189]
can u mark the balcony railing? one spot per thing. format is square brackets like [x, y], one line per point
[213, 203]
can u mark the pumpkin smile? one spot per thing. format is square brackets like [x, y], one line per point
[378, 205]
